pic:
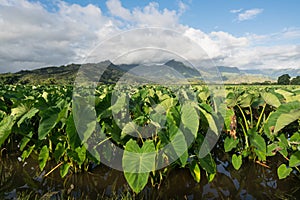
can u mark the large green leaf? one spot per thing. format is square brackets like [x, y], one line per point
[283, 116]
[81, 155]
[59, 151]
[43, 157]
[47, 122]
[271, 99]
[295, 159]
[177, 147]
[210, 119]
[190, 119]
[25, 140]
[245, 100]
[236, 161]
[230, 143]
[212, 133]
[208, 164]
[64, 169]
[259, 143]
[232, 99]
[28, 115]
[73, 138]
[131, 129]
[26, 153]
[84, 115]
[5, 128]
[283, 171]
[137, 163]
[195, 171]
[19, 110]
[229, 115]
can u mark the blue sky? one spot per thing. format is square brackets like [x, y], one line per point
[212, 15]
[241, 33]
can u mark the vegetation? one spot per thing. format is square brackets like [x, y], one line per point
[284, 79]
[259, 122]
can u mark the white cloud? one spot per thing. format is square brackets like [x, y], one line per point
[116, 9]
[31, 37]
[236, 11]
[249, 14]
[182, 7]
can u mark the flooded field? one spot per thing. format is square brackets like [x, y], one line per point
[24, 181]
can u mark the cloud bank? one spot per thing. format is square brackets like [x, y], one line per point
[32, 36]
[249, 14]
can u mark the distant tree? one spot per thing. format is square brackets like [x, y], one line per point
[296, 81]
[284, 79]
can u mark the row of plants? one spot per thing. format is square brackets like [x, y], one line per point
[167, 128]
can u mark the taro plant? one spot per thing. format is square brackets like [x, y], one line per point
[256, 123]
[158, 128]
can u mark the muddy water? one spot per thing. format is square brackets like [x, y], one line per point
[252, 181]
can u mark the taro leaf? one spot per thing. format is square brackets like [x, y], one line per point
[19, 111]
[208, 164]
[231, 99]
[73, 138]
[283, 145]
[5, 128]
[31, 113]
[285, 93]
[237, 161]
[228, 119]
[230, 143]
[245, 100]
[272, 149]
[25, 140]
[195, 171]
[81, 155]
[84, 115]
[295, 138]
[210, 119]
[283, 171]
[283, 116]
[212, 133]
[168, 103]
[43, 157]
[63, 114]
[190, 119]
[271, 99]
[47, 122]
[64, 169]
[259, 143]
[177, 147]
[211, 177]
[26, 153]
[176, 140]
[137, 163]
[295, 159]
[59, 151]
[131, 129]
[94, 155]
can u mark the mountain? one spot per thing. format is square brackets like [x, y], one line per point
[273, 73]
[186, 71]
[172, 71]
[112, 73]
[224, 69]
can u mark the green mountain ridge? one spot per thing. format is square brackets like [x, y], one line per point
[66, 74]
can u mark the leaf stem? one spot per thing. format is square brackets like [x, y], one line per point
[244, 117]
[57, 166]
[260, 116]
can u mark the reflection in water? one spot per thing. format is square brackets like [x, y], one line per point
[252, 181]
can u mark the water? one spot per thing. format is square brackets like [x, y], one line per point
[252, 181]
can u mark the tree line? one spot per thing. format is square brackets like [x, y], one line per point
[285, 79]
